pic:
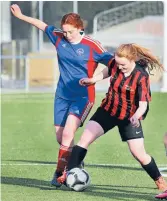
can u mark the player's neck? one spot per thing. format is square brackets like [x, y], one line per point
[78, 40]
[130, 70]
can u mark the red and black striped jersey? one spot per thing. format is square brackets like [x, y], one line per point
[124, 93]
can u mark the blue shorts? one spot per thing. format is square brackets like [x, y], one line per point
[79, 108]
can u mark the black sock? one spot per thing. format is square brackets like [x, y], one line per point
[77, 156]
[152, 170]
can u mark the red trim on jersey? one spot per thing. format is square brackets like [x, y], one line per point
[59, 34]
[86, 111]
[93, 45]
[91, 66]
[57, 42]
[96, 42]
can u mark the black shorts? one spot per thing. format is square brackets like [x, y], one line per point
[107, 122]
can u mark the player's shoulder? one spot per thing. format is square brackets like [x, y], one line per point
[142, 68]
[93, 43]
[54, 30]
[57, 30]
[89, 38]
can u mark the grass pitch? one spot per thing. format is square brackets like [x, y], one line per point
[29, 152]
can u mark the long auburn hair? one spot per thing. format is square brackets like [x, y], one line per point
[139, 54]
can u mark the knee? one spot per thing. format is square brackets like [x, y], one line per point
[67, 135]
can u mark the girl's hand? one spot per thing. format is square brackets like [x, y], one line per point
[15, 9]
[134, 121]
[86, 81]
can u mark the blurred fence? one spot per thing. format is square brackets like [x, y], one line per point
[39, 73]
[26, 71]
[35, 72]
[126, 13]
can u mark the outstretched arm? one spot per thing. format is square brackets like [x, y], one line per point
[15, 9]
[101, 76]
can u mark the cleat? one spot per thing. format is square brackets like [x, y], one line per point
[62, 179]
[162, 195]
[161, 184]
[54, 181]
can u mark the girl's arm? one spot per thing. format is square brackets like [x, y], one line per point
[139, 112]
[15, 9]
[100, 76]
[141, 109]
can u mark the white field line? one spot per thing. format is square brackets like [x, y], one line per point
[162, 166]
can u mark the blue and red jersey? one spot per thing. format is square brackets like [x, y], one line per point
[76, 61]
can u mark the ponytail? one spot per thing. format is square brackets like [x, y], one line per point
[146, 58]
[139, 54]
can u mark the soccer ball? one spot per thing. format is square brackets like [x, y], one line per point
[78, 179]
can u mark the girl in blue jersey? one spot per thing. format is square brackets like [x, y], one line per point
[78, 56]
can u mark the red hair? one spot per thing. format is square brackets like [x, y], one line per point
[136, 52]
[72, 19]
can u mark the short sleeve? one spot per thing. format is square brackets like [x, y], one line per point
[144, 91]
[101, 55]
[111, 65]
[53, 33]
[104, 58]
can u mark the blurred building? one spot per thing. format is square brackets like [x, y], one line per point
[112, 23]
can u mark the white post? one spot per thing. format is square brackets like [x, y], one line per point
[94, 27]
[75, 6]
[13, 60]
[40, 42]
[5, 21]
[164, 87]
[21, 62]
[34, 38]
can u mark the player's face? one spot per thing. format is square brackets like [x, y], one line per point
[124, 64]
[71, 33]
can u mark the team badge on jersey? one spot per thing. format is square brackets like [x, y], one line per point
[80, 51]
[64, 45]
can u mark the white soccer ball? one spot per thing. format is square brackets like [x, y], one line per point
[78, 179]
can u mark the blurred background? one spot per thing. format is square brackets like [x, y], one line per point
[28, 59]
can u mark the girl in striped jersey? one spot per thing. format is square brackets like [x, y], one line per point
[125, 105]
[78, 56]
